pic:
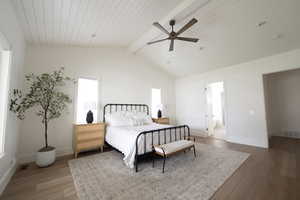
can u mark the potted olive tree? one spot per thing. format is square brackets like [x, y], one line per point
[44, 93]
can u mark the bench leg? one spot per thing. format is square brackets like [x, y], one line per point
[136, 164]
[164, 164]
[194, 150]
[153, 158]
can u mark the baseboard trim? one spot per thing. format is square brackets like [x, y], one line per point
[198, 132]
[287, 134]
[7, 176]
[30, 157]
[248, 143]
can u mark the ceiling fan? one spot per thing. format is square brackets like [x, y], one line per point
[174, 35]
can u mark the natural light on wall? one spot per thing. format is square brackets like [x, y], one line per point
[87, 99]
[156, 101]
[4, 80]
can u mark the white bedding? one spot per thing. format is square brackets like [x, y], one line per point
[123, 138]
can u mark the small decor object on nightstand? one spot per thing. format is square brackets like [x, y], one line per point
[89, 117]
[159, 114]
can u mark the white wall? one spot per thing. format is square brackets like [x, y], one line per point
[244, 97]
[282, 90]
[124, 78]
[9, 27]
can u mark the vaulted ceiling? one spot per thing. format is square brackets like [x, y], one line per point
[230, 31]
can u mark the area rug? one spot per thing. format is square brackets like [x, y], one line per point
[105, 177]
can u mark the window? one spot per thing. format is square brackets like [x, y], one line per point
[156, 101]
[4, 82]
[87, 99]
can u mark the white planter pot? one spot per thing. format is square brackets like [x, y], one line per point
[45, 158]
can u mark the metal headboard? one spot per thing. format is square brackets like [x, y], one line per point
[124, 107]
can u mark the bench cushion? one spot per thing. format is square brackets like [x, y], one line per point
[174, 146]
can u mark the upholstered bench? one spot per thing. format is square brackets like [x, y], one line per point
[165, 150]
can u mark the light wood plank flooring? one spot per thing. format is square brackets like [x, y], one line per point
[272, 174]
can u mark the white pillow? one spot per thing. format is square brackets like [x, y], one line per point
[128, 118]
[138, 121]
[117, 119]
[143, 118]
[131, 117]
[148, 120]
[138, 118]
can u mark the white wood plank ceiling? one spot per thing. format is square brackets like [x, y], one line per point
[75, 22]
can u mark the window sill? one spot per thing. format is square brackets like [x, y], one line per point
[2, 155]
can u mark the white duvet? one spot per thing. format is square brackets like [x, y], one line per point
[123, 138]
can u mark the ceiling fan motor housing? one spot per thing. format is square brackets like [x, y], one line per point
[172, 22]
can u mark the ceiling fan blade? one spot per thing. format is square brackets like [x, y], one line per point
[187, 39]
[157, 41]
[187, 26]
[171, 45]
[160, 27]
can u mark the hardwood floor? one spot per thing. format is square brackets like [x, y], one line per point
[269, 174]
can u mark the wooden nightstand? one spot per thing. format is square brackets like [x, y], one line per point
[163, 120]
[88, 136]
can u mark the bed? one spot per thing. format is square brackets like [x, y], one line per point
[137, 140]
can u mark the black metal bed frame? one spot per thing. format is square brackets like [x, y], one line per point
[175, 133]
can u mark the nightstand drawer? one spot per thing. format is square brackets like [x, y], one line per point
[89, 145]
[90, 136]
[89, 128]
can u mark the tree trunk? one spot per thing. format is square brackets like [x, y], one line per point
[46, 129]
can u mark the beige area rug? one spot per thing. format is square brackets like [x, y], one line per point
[105, 177]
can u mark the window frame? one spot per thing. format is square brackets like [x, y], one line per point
[5, 47]
[76, 98]
[154, 115]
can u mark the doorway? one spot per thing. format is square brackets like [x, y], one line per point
[215, 101]
[282, 103]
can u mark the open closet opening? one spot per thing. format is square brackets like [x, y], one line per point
[215, 98]
[282, 100]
